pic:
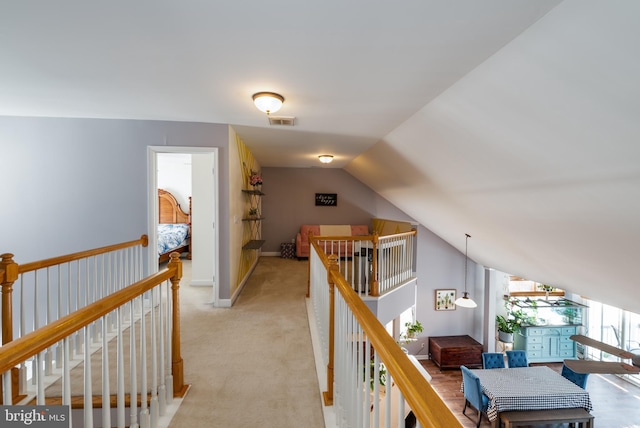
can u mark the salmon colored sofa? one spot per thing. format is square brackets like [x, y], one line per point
[302, 238]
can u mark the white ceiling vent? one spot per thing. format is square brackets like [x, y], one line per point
[281, 121]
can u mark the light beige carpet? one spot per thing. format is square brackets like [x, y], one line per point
[250, 365]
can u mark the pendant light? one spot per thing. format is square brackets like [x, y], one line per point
[465, 301]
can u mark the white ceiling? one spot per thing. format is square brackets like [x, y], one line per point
[513, 121]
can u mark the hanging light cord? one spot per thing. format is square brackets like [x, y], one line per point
[466, 258]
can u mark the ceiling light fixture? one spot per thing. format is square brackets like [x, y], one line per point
[465, 301]
[268, 102]
[325, 158]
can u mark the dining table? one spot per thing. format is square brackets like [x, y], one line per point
[529, 388]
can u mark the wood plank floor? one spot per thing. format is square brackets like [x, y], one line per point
[616, 403]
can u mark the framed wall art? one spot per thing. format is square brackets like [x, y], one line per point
[327, 199]
[445, 300]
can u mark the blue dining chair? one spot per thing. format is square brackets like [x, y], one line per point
[492, 360]
[579, 379]
[517, 359]
[473, 394]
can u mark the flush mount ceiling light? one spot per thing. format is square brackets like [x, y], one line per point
[325, 158]
[465, 301]
[268, 102]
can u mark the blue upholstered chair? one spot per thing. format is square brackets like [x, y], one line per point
[579, 379]
[473, 394]
[517, 359]
[492, 360]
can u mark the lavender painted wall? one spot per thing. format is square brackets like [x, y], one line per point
[75, 184]
[289, 202]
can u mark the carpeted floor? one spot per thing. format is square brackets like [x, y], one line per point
[252, 364]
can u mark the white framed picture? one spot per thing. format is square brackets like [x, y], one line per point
[445, 300]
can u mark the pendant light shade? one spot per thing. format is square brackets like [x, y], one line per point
[465, 301]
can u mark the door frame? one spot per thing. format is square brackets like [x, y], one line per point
[152, 204]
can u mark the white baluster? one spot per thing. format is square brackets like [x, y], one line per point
[88, 388]
[154, 411]
[144, 410]
[40, 378]
[59, 345]
[6, 388]
[48, 357]
[66, 376]
[36, 325]
[23, 366]
[78, 335]
[106, 398]
[162, 391]
[169, 376]
[120, 373]
[133, 372]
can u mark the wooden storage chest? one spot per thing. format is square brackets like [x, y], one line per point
[451, 352]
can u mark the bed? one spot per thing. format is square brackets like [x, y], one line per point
[174, 227]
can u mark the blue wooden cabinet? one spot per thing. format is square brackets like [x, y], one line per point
[545, 344]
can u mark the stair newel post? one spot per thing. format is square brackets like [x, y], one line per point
[8, 275]
[374, 266]
[179, 389]
[333, 266]
[309, 265]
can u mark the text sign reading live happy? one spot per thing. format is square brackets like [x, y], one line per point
[34, 416]
[327, 199]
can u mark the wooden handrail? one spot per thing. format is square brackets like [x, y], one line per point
[28, 267]
[423, 399]
[32, 343]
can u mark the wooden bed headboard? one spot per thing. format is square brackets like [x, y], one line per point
[169, 209]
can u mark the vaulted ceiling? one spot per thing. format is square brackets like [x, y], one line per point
[513, 121]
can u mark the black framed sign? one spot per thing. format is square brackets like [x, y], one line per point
[327, 199]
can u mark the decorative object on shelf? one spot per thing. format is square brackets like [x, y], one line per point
[412, 331]
[268, 102]
[325, 158]
[253, 212]
[446, 300]
[255, 179]
[547, 289]
[465, 301]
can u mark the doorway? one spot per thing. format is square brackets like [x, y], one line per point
[198, 168]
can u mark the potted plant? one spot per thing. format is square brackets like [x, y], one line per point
[506, 327]
[413, 328]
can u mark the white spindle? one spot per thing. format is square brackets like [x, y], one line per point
[144, 410]
[77, 299]
[40, 378]
[66, 375]
[48, 356]
[133, 381]
[169, 375]
[6, 388]
[23, 366]
[106, 399]
[120, 372]
[36, 325]
[59, 315]
[162, 391]
[153, 407]
[88, 389]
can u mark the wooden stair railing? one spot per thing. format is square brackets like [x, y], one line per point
[424, 401]
[19, 350]
[14, 352]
